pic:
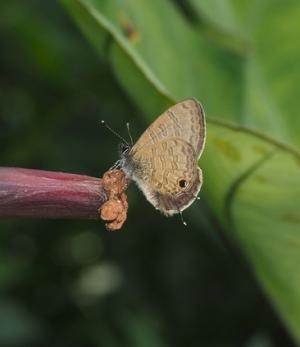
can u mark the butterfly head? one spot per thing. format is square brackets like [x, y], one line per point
[124, 149]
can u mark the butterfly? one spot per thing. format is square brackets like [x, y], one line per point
[164, 160]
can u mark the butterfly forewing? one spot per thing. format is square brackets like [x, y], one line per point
[184, 121]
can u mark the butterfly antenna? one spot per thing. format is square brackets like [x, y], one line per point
[114, 132]
[129, 133]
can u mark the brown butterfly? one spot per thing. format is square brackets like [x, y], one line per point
[164, 160]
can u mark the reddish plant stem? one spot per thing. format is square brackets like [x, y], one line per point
[46, 194]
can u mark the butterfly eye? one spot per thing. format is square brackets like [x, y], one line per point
[123, 148]
[182, 183]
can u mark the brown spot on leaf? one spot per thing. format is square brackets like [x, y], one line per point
[261, 179]
[297, 160]
[114, 211]
[294, 242]
[228, 149]
[260, 150]
[291, 218]
[129, 29]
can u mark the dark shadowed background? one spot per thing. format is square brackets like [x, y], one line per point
[72, 283]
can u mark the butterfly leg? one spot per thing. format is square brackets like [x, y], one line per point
[183, 221]
[116, 165]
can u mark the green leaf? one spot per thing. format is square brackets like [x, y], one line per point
[251, 178]
[220, 13]
[269, 31]
[265, 215]
[133, 25]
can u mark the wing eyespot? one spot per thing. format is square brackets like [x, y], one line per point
[182, 183]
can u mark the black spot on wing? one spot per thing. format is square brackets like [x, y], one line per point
[178, 202]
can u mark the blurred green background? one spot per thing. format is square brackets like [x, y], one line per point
[231, 278]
